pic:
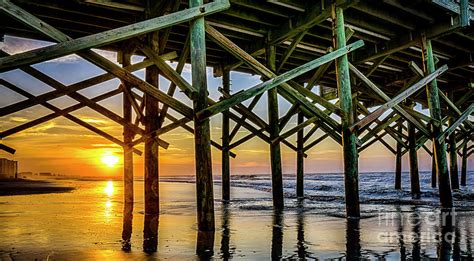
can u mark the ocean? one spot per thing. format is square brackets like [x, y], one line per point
[87, 222]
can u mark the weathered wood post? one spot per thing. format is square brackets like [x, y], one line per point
[434, 175]
[349, 138]
[277, 234]
[275, 153]
[412, 152]
[444, 184]
[464, 165]
[152, 124]
[453, 155]
[225, 142]
[300, 159]
[127, 160]
[398, 161]
[202, 136]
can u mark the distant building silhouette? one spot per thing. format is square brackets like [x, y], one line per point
[8, 168]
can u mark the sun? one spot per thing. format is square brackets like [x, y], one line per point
[110, 160]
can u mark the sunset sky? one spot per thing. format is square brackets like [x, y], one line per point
[61, 146]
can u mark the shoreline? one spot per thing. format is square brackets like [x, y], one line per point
[17, 187]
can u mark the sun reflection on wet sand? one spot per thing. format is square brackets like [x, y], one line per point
[109, 189]
[88, 223]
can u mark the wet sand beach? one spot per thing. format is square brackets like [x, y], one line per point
[87, 224]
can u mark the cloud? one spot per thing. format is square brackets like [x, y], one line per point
[15, 45]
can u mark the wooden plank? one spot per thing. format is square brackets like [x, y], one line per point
[382, 95]
[397, 99]
[179, 69]
[311, 83]
[315, 142]
[304, 21]
[382, 125]
[276, 81]
[296, 129]
[7, 148]
[290, 50]
[464, 116]
[252, 104]
[396, 135]
[68, 46]
[169, 72]
[286, 90]
[349, 139]
[80, 98]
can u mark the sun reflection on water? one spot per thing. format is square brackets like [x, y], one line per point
[109, 189]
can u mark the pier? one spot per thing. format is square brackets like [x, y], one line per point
[360, 72]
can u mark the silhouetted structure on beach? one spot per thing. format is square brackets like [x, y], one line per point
[8, 168]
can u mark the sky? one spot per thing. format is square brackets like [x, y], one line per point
[60, 146]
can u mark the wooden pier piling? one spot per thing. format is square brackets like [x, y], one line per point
[300, 158]
[453, 158]
[434, 175]
[275, 153]
[349, 143]
[225, 142]
[413, 156]
[464, 165]
[202, 134]
[152, 124]
[439, 147]
[127, 160]
[398, 161]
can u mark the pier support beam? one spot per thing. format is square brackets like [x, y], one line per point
[464, 166]
[439, 151]
[225, 142]
[202, 133]
[398, 162]
[152, 124]
[275, 153]
[128, 134]
[414, 173]
[434, 175]
[349, 144]
[453, 158]
[300, 159]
